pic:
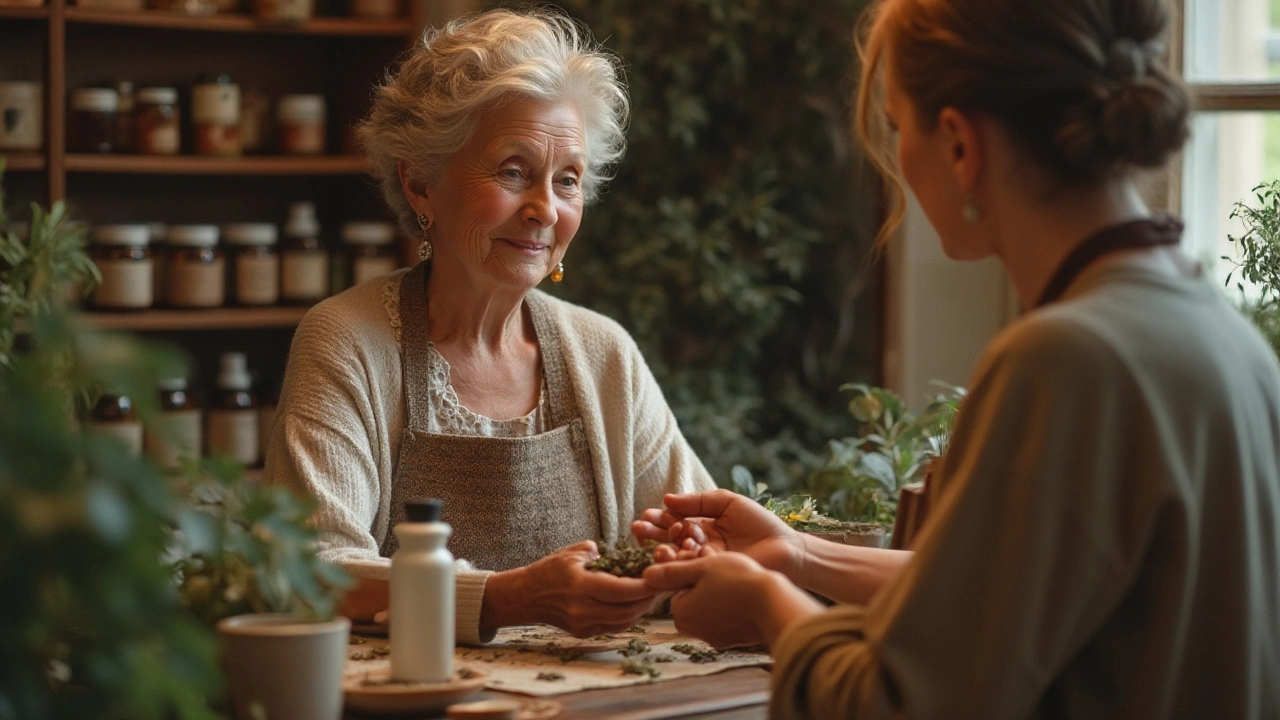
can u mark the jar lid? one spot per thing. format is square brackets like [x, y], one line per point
[368, 233]
[121, 235]
[174, 383]
[158, 95]
[232, 372]
[301, 108]
[193, 235]
[249, 234]
[95, 99]
[302, 220]
[213, 79]
[17, 90]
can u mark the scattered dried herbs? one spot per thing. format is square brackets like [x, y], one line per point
[550, 676]
[623, 560]
[639, 666]
[635, 647]
[466, 673]
[696, 654]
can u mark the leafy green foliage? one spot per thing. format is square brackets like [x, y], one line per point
[891, 448]
[90, 625]
[247, 547]
[734, 241]
[1258, 251]
[33, 272]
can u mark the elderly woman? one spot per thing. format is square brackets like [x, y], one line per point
[536, 421]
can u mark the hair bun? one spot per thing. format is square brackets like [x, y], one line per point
[1126, 60]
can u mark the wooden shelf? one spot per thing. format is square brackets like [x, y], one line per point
[237, 23]
[214, 319]
[22, 161]
[23, 12]
[197, 165]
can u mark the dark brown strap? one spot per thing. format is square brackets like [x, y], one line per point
[1141, 233]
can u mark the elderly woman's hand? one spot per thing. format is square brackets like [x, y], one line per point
[559, 590]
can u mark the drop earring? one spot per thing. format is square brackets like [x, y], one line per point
[969, 211]
[558, 274]
[424, 248]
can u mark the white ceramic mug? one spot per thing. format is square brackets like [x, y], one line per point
[21, 119]
[289, 667]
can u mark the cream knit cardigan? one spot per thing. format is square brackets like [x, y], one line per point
[341, 413]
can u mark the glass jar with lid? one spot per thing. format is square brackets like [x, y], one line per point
[123, 258]
[233, 413]
[215, 116]
[304, 259]
[254, 263]
[195, 271]
[370, 250]
[301, 119]
[93, 120]
[177, 431]
[113, 415]
[157, 121]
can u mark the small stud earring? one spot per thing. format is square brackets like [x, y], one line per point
[558, 274]
[424, 248]
[969, 211]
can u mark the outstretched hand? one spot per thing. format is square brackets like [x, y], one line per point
[699, 524]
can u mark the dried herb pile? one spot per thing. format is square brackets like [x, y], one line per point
[623, 560]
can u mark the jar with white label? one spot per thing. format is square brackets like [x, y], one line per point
[21, 106]
[370, 250]
[177, 432]
[304, 260]
[254, 263]
[113, 415]
[157, 122]
[123, 259]
[195, 271]
[233, 413]
[215, 116]
[301, 119]
[92, 126]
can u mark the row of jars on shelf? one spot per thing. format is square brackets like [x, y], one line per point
[244, 264]
[224, 122]
[236, 422]
[287, 11]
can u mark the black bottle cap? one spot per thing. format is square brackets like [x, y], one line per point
[423, 510]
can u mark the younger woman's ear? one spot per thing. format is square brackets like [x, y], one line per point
[414, 192]
[964, 146]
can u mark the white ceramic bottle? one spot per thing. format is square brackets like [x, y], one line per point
[422, 596]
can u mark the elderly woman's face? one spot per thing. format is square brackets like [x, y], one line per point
[508, 204]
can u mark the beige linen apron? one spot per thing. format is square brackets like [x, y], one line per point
[510, 501]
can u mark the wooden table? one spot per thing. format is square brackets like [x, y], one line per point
[737, 694]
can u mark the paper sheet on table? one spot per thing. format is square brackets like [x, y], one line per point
[517, 657]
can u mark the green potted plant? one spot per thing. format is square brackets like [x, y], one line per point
[853, 498]
[1258, 259]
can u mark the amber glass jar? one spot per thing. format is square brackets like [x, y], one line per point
[195, 270]
[157, 122]
[233, 413]
[369, 250]
[304, 260]
[215, 116]
[93, 120]
[301, 120]
[254, 263]
[113, 415]
[123, 258]
[177, 432]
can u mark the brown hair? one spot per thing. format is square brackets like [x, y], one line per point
[1077, 84]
